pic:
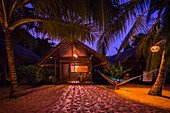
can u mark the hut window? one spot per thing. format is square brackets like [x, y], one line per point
[79, 68]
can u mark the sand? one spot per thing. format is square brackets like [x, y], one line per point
[73, 98]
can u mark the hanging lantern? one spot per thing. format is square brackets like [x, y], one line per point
[155, 48]
[51, 57]
[75, 55]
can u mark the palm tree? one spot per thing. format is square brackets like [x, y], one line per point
[159, 83]
[162, 7]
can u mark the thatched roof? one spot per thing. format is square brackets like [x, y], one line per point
[65, 47]
[115, 59]
[22, 56]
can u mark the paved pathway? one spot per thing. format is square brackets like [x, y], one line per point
[73, 98]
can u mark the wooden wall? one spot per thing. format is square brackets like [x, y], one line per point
[65, 67]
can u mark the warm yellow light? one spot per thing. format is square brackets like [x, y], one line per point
[75, 55]
[76, 68]
[155, 48]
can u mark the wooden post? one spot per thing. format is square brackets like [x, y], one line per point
[72, 49]
[90, 75]
[55, 71]
[60, 75]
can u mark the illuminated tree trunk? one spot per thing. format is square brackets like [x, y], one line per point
[158, 85]
[10, 56]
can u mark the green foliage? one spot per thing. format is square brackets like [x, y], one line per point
[33, 75]
[116, 71]
[111, 71]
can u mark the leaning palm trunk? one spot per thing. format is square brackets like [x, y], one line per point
[10, 56]
[158, 85]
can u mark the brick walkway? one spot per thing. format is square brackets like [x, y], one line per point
[73, 98]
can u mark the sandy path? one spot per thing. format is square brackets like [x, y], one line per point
[73, 98]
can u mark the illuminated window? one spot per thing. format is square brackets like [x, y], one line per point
[79, 68]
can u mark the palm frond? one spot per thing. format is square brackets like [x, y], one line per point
[139, 26]
[4, 14]
[70, 29]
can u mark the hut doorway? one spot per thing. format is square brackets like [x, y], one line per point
[66, 71]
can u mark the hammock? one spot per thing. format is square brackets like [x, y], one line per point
[112, 80]
[122, 81]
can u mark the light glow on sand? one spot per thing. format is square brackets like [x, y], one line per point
[140, 94]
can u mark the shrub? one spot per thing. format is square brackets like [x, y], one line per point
[33, 75]
[116, 71]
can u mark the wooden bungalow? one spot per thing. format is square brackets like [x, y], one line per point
[73, 60]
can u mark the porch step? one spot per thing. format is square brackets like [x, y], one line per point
[77, 82]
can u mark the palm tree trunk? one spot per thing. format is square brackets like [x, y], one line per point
[158, 85]
[6, 75]
[11, 65]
